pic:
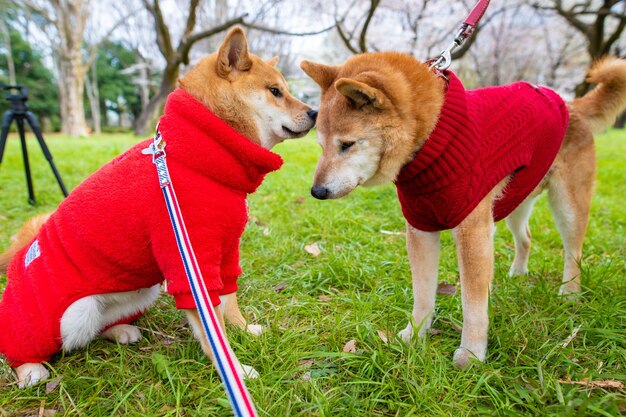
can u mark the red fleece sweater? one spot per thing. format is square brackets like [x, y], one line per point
[481, 137]
[113, 233]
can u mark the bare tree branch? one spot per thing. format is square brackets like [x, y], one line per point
[347, 42]
[164, 39]
[185, 44]
[94, 47]
[362, 38]
[285, 32]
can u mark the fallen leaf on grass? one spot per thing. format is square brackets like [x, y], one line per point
[446, 289]
[384, 336]
[39, 412]
[256, 221]
[266, 231]
[350, 347]
[387, 232]
[600, 383]
[313, 249]
[52, 385]
[306, 362]
[166, 408]
[324, 298]
[279, 288]
[299, 200]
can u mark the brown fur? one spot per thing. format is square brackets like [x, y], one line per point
[22, 238]
[226, 93]
[402, 120]
[376, 112]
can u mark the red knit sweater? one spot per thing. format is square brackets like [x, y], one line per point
[113, 232]
[481, 137]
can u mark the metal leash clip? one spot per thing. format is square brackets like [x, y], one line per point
[443, 61]
[156, 148]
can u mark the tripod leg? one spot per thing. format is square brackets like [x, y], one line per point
[32, 121]
[29, 180]
[6, 122]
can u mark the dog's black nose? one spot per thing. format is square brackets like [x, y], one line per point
[312, 114]
[320, 192]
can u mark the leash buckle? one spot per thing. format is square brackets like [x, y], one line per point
[444, 59]
[156, 148]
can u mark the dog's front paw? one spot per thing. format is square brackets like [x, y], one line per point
[123, 334]
[30, 374]
[518, 270]
[462, 357]
[406, 334]
[248, 372]
[255, 329]
[569, 289]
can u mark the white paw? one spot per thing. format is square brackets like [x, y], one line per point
[406, 334]
[30, 374]
[517, 271]
[123, 334]
[255, 329]
[462, 357]
[248, 372]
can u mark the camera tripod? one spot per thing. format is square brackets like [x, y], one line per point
[19, 113]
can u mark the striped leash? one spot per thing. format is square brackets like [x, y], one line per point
[225, 360]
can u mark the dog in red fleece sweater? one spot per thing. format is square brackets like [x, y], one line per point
[98, 261]
[462, 159]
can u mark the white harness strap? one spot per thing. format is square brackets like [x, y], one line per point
[238, 395]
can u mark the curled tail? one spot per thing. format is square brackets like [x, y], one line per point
[28, 231]
[603, 104]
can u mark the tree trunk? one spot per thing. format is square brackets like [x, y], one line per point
[144, 83]
[94, 99]
[71, 83]
[71, 17]
[7, 42]
[151, 111]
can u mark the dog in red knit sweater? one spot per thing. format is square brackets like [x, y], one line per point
[462, 159]
[97, 263]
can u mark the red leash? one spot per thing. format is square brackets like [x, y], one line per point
[444, 59]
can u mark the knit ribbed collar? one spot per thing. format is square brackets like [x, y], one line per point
[441, 156]
[198, 139]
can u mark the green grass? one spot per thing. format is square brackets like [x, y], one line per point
[359, 284]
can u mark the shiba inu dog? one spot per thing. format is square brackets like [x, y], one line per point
[96, 263]
[460, 160]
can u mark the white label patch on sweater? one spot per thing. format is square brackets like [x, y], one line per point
[33, 253]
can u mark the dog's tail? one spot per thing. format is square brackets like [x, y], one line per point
[604, 103]
[28, 231]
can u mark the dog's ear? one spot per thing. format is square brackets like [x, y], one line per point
[323, 75]
[360, 93]
[233, 53]
[273, 60]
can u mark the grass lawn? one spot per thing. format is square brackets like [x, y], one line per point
[357, 289]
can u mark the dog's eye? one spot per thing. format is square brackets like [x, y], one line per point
[346, 145]
[276, 92]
